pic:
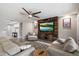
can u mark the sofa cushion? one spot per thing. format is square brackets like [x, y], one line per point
[2, 52]
[55, 42]
[27, 52]
[57, 52]
[10, 47]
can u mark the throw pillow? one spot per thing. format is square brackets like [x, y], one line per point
[70, 45]
[61, 40]
[56, 42]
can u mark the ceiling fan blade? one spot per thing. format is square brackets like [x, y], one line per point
[36, 16]
[36, 13]
[26, 11]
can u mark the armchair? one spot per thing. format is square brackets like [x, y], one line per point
[32, 36]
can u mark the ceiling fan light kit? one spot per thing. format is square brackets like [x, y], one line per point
[30, 15]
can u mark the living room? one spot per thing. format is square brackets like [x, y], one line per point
[43, 34]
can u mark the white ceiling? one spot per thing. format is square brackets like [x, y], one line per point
[11, 10]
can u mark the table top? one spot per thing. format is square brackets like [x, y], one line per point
[40, 52]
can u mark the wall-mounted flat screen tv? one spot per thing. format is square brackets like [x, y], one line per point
[46, 27]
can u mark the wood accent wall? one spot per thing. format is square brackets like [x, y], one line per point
[48, 35]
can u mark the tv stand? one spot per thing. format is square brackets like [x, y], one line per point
[48, 35]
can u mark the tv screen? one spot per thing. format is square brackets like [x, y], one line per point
[46, 27]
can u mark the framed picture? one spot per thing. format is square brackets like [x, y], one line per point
[67, 23]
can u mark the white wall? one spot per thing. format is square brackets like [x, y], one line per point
[27, 27]
[3, 34]
[5, 31]
[65, 33]
[78, 28]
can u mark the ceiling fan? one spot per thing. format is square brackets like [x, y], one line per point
[30, 14]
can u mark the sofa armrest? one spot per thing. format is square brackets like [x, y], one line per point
[26, 52]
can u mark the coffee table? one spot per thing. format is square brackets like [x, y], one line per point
[40, 52]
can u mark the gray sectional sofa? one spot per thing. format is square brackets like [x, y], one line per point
[8, 48]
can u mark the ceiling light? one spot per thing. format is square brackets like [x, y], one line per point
[30, 15]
